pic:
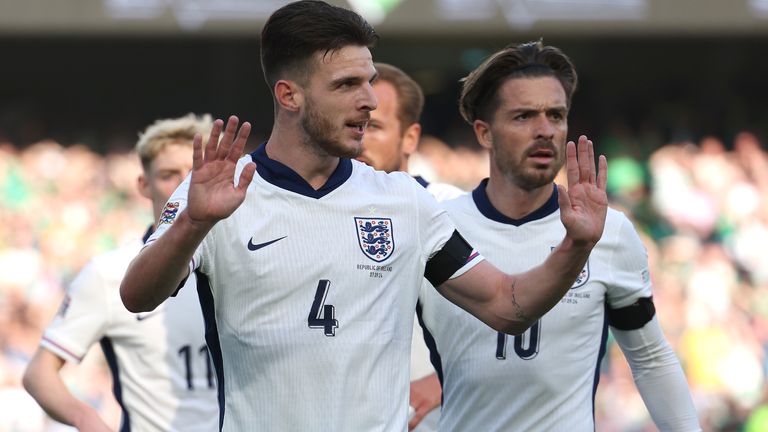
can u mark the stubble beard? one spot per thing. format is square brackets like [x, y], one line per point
[318, 134]
[529, 178]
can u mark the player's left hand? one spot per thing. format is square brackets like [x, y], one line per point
[425, 396]
[584, 205]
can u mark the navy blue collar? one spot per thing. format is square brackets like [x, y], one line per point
[421, 181]
[285, 178]
[480, 196]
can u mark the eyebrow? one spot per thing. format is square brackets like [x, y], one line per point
[528, 109]
[352, 80]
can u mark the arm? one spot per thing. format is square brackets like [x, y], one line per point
[512, 303]
[159, 269]
[426, 393]
[44, 384]
[658, 377]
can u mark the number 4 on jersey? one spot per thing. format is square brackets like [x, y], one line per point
[327, 321]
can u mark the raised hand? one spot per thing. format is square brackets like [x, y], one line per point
[212, 193]
[584, 205]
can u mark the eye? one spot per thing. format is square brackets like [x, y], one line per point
[168, 175]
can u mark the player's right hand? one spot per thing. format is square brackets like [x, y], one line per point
[425, 396]
[212, 193]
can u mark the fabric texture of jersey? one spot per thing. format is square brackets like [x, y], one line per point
[313, 294]
[162, 375]
[420, 363]
[543, 380]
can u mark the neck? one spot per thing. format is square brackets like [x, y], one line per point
[513, 201]
[288, 146]
[404, 164]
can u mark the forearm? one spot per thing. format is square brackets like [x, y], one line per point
[526, 297]
[161, 266]
[512, 303]
[659, 378]
[43, 382]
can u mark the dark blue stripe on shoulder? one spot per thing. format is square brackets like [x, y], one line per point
[117, 388]
[421, 181]
[434, 355]
[480, 196]
[285, 178]
[212, 336]
[147, 234]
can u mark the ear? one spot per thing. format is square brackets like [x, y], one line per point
[483, 134]
[143, 185]
[289, 95]
[411, 139]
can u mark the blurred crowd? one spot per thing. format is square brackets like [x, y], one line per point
[59, 206]
[701, 207]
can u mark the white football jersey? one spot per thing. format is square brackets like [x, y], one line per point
[441, 191]
[545, 379]
[162, 376]
[312, 296]
[421, 365]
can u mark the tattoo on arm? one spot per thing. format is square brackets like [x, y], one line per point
[519, 314]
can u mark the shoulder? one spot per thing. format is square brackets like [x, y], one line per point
[445, 191]
[462, 203]
[395, 179]
[620, 235]
[616, 221]
[116, 261]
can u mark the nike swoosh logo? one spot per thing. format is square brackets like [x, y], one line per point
[146, 315]
[253, 247]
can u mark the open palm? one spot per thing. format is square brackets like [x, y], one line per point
[212, 193]
[584, 205]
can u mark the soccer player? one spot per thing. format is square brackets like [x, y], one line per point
[517, 101]
[309, 262]
[391, 137]
[162, 374]
[394, 130]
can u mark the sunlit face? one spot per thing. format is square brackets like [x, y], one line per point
[383, 142]
[527, 133]
[338, 101]
[166, 172]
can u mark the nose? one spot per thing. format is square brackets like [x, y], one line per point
[544, 128]
[368, 100]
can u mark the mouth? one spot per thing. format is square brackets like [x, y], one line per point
[357, 127]
[542, 155]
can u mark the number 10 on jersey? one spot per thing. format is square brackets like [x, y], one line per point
[321, 315]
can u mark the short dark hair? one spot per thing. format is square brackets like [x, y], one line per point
[410, 97]
[528, 60]
[295, 32]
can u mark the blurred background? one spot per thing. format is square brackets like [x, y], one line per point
[672, 91]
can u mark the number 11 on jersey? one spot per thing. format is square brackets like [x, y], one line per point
[322, 315]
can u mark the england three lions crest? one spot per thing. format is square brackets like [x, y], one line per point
[374, 235]
[582, 278]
